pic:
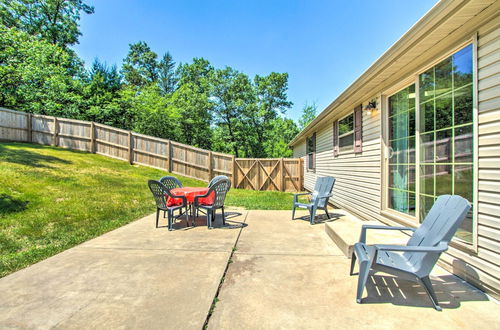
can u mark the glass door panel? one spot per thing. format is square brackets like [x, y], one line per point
[401, 186]
[446, 133]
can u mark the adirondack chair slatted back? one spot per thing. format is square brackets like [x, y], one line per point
[440, 224]
[171, 182]
[323, 186]
[159, 191]
[220, 188]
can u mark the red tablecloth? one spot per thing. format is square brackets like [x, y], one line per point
[190, 193]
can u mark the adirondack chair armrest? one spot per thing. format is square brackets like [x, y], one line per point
[364, 228]
[325, 196]
[296, 196]
[441, 247]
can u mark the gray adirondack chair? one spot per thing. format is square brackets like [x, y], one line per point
[319, 198]
[415, 260]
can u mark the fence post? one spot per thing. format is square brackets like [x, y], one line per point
[130, 148]
[92, 137]
[210, 169]
[282, 171]
[29, 126]
[169, 151]
[301, 174]
[234, 170]
[54, 136]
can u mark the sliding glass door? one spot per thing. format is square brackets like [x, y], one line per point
[402, 151]
[444, 138]
[446, 133]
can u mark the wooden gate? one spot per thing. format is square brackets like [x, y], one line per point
[279, 174]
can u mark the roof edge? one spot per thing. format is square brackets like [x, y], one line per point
[425, 23]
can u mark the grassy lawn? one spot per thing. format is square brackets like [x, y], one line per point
[52, 199]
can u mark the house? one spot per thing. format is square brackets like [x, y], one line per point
[422, 121]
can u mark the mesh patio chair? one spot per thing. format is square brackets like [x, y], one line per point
[171, 182]
[415, 260]
[161, 194]
[217, 178]
[219, 190]
[319, 198]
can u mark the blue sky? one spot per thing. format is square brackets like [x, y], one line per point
[323, 45]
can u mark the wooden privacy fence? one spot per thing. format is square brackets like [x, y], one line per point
[281, 174]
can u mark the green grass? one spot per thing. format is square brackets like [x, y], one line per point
[52, 199]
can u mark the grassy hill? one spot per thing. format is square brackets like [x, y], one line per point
[52, 199]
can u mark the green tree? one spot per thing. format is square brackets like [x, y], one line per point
[111, 78]
[308, 115]
[154, 114]
[37, 76]
[53, 20]
[192, 99]
[140, 67]
[101, 88]
[167, 76]
[270, 101]
[232, 94]
[281, 132]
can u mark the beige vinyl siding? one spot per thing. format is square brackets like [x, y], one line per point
[299, 150]
[483, 268]
[359, 188]
[357, 174]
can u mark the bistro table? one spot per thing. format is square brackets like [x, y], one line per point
[190, 193]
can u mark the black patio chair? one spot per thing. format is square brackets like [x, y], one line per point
[219, 189]
[171, 182]
[217, 178]
[161, 193]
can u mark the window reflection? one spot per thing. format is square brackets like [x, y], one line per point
[446, 133]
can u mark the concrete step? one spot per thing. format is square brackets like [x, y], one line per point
[345, 231]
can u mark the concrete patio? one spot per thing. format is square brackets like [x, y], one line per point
[280, 274]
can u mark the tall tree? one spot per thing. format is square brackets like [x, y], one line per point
[101, 87]
[140, 67]
[232, 94]
[308, 115]
[154, 114]
[281, 132]
[35, 76]
[111, 78]
[53, 20]
[192, 99]
[167, 77]
[271, 100]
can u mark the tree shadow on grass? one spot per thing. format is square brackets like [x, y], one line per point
[9, 204]
[28, 157]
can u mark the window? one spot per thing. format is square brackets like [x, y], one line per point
[444, 138]
[311, 152]
[346, 132]
[402, 156]
[446, 133]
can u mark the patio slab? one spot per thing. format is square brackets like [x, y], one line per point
[273, 232]
[283, 274]
[269, 285]
[133, 277]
